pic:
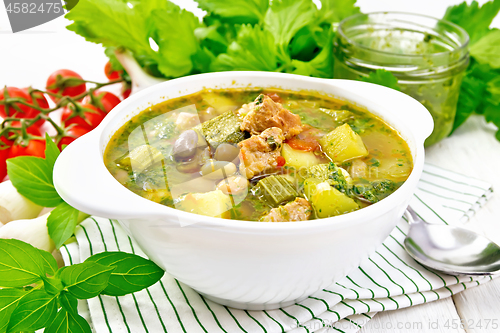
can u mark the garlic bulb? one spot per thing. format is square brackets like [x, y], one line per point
[13, 206]
[32, 231]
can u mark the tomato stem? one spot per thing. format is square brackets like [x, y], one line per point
[12, 107]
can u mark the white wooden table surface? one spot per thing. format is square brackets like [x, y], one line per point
[27, 58]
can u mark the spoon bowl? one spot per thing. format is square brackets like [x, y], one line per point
[451, 250]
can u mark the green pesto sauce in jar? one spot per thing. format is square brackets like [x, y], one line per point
[426, 55]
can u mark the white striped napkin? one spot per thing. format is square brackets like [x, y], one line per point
[388, 280]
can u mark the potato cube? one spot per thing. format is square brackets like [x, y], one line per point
[343, 144]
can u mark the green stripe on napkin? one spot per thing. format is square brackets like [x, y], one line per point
[388, 280]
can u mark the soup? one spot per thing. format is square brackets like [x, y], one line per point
[267, 155]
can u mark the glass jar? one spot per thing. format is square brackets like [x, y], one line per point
[428, 57]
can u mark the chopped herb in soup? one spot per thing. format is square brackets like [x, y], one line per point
[259, 155]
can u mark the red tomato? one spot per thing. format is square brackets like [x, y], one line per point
[7, 141]
[33, 130]
[65, 88]
[89, 121]
[126, 90]
[72, 134]
[107, 100]
[112, 74]
[4, 153]
[39, 101]
[306, 141]
[24, 112]
[281, 161]
[33, 148]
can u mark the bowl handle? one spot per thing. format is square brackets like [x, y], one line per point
[82, 180]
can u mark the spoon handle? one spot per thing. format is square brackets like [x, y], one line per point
[412, 216]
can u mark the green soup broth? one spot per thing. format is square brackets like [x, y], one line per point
[165, 180]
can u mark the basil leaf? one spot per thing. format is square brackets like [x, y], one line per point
[32, 177]
[132, 272]
[68, 301]
[20, 263]
[52, 285]
[86, 280]
[8, 302]
[61, 223]
[68, 322]
[51, 152]
[34, 311]
[49, 263]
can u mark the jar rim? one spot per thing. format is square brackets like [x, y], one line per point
[463, 46]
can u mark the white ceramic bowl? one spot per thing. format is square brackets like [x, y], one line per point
[246, 265]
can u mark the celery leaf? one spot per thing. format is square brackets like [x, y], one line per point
[474, 19]
[320, 66]
[285, 18]
[253, 50]
[238, 11]
[178, 45]
[472, 91]
[487, 49]
[113, 23]
[383, 78]
[334, 11]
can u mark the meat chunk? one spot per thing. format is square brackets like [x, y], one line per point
[259, 153]
[298, 210]
[266, 113]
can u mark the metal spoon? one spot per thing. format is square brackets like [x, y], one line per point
[451, 250]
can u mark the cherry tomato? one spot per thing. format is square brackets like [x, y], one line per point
[4, 153]
[33, 129]
[33, 148]
[65, 88]
[107, 100]
[126, 89]
[9, 111]
[39, 101]
[7, 141]
[72, 134]
[89, 121]
[306, 141]
[112, 74]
